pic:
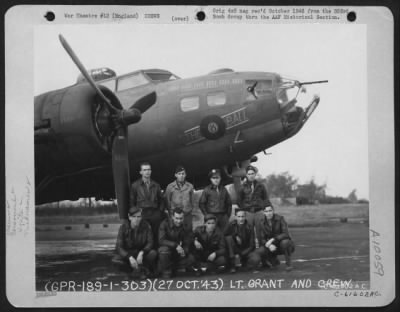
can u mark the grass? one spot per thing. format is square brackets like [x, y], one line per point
[320, 214]
[294, 215]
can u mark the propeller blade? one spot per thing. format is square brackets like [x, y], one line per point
[120, 164]
[120, 159]
[84, 72]
[144, 103]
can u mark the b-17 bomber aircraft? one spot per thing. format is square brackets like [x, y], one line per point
[89, 141]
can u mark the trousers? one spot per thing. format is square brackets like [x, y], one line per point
[149, 260]
[169, 260]
[251, 260]
[286, 247]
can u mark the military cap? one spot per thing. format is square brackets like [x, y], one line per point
[268, 206]
[214, 172]
[179, 169]
[133, 210]
[250, 167]
[209, 216]
[238, 210]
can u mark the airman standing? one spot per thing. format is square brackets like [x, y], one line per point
[179, 194]
[146, 195]
[252, 198]
[216, 200]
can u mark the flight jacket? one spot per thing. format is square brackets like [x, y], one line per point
[246, 234]
[130, 240]
[279, 230]
[144, 198]
[211, 243]
[253, 200]
[215, 201]
[171, 235]
[180, 196]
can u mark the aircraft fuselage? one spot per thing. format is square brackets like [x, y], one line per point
[184, 127]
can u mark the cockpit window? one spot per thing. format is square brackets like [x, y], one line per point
[288, 90]
[216, 99]
[158, 76]
[262, 88]
[110, 84]
[131, 81]
[190, 103]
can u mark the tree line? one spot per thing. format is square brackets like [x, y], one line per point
[284, 185]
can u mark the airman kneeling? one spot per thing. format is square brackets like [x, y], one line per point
[209, 247]
[174, 242]
[135, 246]
[275, 239]
[239, 236]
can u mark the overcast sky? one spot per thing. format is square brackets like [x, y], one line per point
[333, 145]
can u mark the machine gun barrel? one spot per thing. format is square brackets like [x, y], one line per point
[312, 82]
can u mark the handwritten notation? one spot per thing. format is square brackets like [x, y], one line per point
[18, 209]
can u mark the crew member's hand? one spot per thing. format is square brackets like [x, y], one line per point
[139, 258]
[267, 244]
[272, 247]
[238, 240]
[180, 251]
[212, 257]
[133, 263]
[197, 244]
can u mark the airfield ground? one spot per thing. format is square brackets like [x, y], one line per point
[329, 252]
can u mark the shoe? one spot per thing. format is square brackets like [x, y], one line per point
[153, 275]
[238, 263]
[289, 268]
[266, 264]
[220, 269]
[275, 262]
[135, 273]
[197, 271]
[142, 276]
[232, 267]
[166, 275]
[144, 272]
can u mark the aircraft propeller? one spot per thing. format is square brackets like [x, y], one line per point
[121, 119]
[252, 89]
[85, 73]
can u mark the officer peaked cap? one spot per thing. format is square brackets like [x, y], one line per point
[209, 216]
[179, 169]
[214, 172]
[250, 167]
[133, 210]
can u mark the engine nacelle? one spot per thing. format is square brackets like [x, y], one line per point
[75, 124]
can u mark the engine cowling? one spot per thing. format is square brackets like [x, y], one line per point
[77, 127]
